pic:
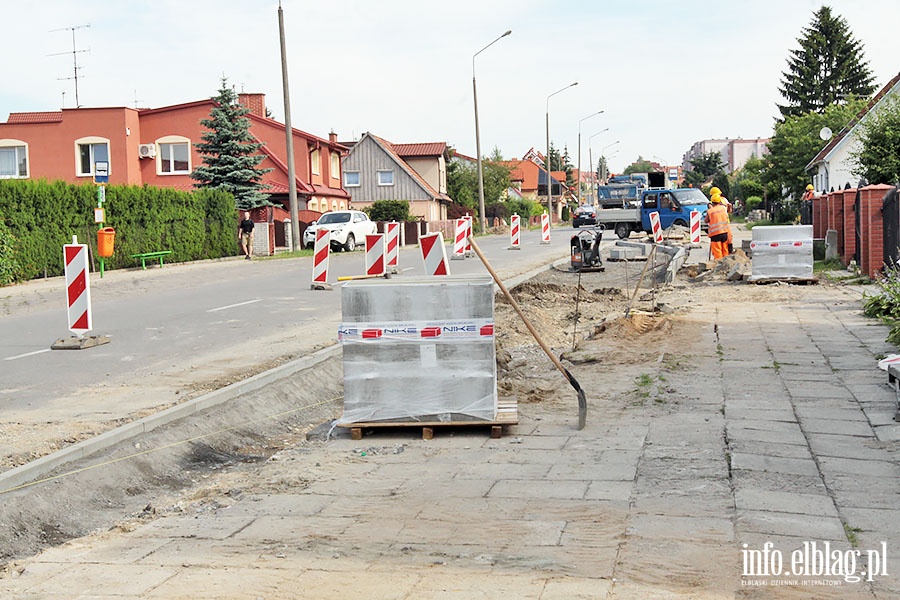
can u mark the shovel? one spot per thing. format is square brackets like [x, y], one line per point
[582, 401]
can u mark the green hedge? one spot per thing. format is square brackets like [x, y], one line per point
[41, 216]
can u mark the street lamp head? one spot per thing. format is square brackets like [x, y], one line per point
[508, 31]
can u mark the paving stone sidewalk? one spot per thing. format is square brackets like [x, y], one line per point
[782, 433]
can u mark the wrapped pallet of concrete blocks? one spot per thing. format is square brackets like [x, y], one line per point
[782, 252]
[418, 350]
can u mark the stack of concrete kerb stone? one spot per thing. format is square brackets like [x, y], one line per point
[782, 252]
[418, 350]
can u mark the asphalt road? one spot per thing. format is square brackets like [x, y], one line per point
[183, 329]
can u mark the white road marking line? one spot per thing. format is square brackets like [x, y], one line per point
[27, 354]
[234, 305]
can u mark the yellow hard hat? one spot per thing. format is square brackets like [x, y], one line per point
[810, 188]
[715, 198]
[715, 191]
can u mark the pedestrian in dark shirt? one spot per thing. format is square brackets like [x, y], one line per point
[245, 235]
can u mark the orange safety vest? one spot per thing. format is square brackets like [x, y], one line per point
[717, 216]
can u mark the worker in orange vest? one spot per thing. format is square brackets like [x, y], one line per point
[719, 230]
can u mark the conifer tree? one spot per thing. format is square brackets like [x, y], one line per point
[828, 68]
[229, 151]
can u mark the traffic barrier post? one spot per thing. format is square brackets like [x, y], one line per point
[545, 228]
[695, 226]
[434, 254]
[375, 255]
[460, 239]
[392, 240]
[656, 227]
[514, 232]
[321, 251]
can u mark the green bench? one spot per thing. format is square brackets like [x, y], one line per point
[144, 256]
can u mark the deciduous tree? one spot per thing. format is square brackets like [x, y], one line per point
[878, 156]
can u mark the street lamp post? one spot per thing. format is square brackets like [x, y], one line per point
[591, 160]
[547, 158]
[605, 147]
[481, 215]
[579, 150]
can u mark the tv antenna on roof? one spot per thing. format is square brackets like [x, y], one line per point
[74, 54]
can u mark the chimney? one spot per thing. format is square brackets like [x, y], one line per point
[332, 137]
[255, 102]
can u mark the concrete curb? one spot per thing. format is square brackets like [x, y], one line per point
[44, 465]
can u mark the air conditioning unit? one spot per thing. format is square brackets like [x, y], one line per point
[147, 150]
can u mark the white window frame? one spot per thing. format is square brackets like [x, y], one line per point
[335, 165]
[172, 140]
[91, 141]
[347, 183]
[381, 182]
[17, 144]
[315, 162]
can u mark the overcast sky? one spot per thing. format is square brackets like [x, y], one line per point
[666, 73]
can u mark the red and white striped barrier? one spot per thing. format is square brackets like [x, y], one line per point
[392, 252]
[469, 251]
[514, 232]
[545, 228]
[695, 226]
[460, 239]
[656, 227]
[78, 287]
[320, 256]
[434, 254]
[375, 254]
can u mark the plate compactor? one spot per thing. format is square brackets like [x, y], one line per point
[585, 246]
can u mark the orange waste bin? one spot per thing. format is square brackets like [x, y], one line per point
[106, 238]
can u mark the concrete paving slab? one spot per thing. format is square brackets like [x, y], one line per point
[750, 413]
[883, 521]
[808, 412]
[822, 390]
[777, 464]
[609, 490]
[602, 470]
[778, 482]
[810, 527]
[127, 580]
[762, 437]
[888, 433]
[851, 466]
[698, 529]
[560, 489]
[747, 498]
[782, 450]
[576, 589]
[838, 427]
[847, 446]
[790, 427]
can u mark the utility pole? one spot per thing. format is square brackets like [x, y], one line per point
[74, 54]
[289, 139]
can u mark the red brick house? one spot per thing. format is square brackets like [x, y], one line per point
[156, 147]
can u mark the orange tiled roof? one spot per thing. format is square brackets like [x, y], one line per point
[422, 149]
[35, 117]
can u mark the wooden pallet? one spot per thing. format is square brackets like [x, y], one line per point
[507, 414]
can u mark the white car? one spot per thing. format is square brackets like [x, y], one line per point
[348, 228]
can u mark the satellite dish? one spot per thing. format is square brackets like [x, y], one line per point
[825, 133]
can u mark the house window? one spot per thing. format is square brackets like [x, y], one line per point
[88, 152]
[315, 163]
[174, 155]
[335, 165]
[385, 178]
[351, 178]
[13, 159]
